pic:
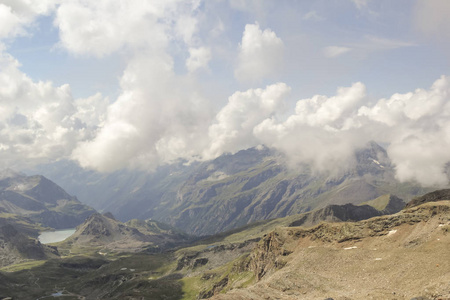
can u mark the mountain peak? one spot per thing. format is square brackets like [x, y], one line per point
[109, 215]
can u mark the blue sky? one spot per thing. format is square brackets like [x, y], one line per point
[305, 27]
[135, 84]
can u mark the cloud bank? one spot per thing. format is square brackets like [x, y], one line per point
[161, 113]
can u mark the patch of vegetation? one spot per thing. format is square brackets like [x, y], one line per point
[23, 266]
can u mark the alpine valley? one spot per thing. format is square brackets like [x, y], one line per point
[242, 226]
[231, 191]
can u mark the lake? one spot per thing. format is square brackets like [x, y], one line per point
[48, 237]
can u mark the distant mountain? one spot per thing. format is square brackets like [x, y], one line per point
[106, 232]
[233, 189]
[40, 200]
[386, 204]
[350, 212]
[430, 197]
[16, 247]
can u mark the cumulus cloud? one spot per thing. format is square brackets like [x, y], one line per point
[260, 54]
[17, 15]
[160, 116]
[38, 120]
[157, 118]
[417, 126]
[198, 58]
[325, 131]
[318, 132]
[9, 23]
[233, 128]
[100, 27]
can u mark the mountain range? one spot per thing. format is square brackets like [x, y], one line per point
[232, 190]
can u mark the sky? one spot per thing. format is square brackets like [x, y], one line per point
[136, 84]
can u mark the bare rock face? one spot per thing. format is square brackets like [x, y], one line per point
[430, 197]
[267, 256]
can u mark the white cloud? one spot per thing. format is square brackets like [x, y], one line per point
[334, 51]
[40, 122]
[160, 116]
[99, 27]
[218, 29]
[17, 15]
[317, 133]
[186, 26]
[157, 118]
[198, 58]
[360, 4]
[313, 16]
[260, 54]
[10, 24]
[417, 126]
[233, 129]
[431, 18]
[321, 110]
[375, 43]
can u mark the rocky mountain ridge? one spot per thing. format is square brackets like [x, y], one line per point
[349, 212]
[40, 200]
[234, 189]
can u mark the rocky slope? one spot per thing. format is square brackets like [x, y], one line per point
[430, 197]
[16, 247]
[402, 256]
[233, 189]
[40, 200]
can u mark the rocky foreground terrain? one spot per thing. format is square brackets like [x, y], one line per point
[402, 256]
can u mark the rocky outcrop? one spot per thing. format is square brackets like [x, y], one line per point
[430, 197]
[269, 255]
[386, 205]
[337, 213]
